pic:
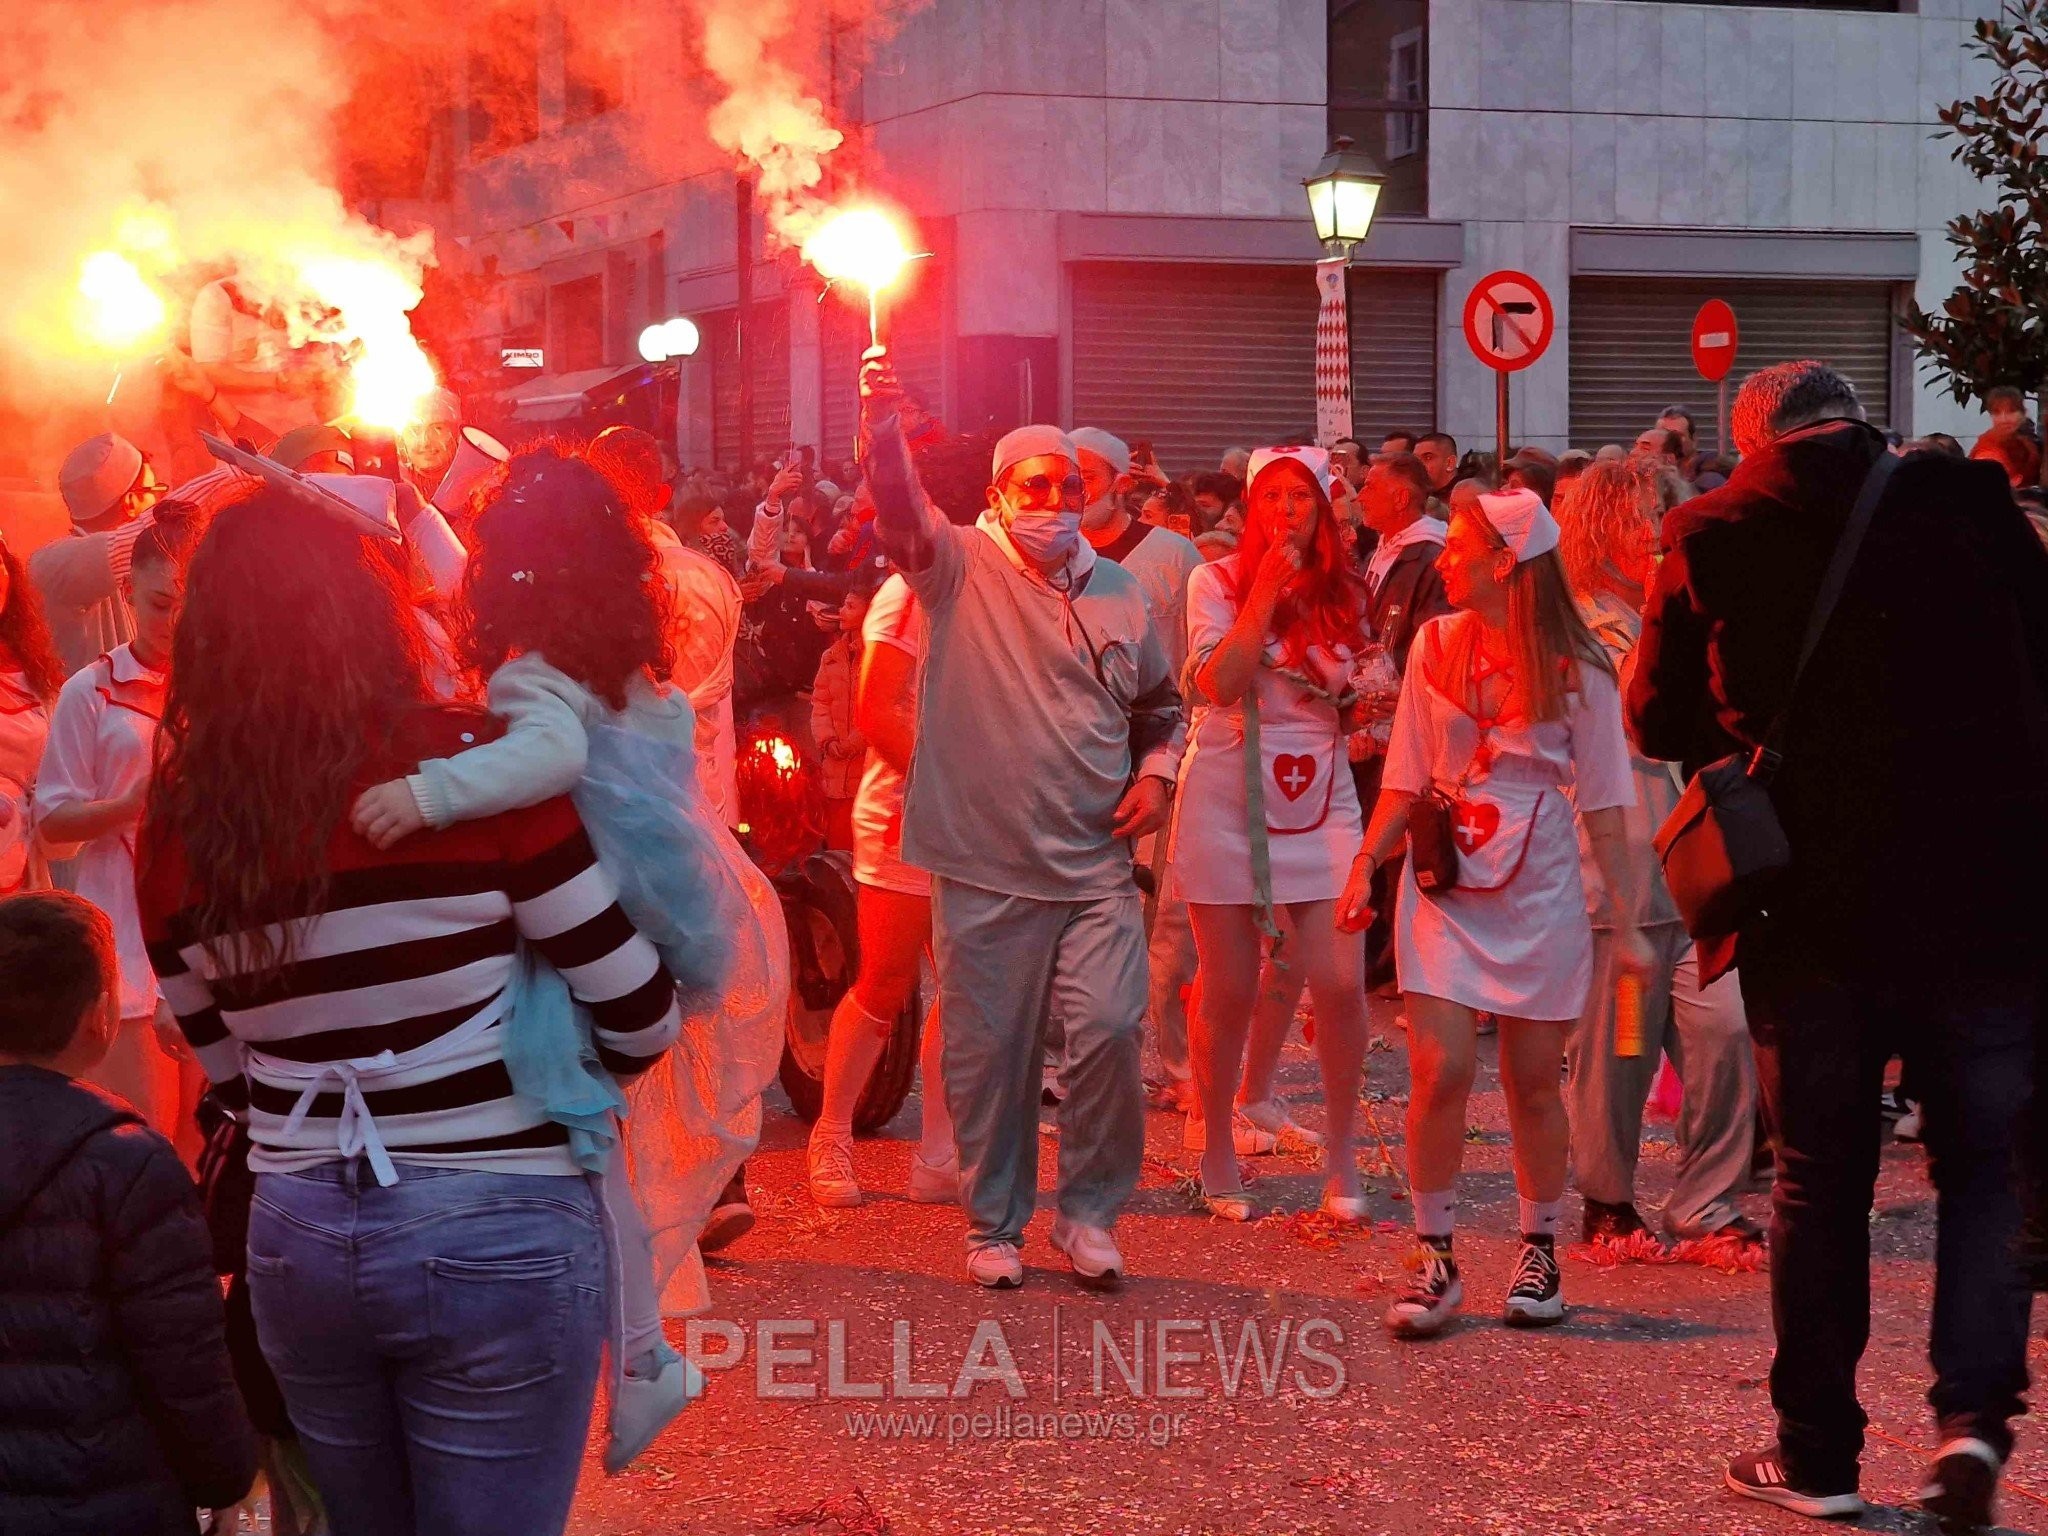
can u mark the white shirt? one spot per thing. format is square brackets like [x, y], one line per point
[24, 728]
[894, 619]
[707, 615]
[1424, 530]
[101, 736]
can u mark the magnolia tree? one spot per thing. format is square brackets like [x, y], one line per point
[1994, 328]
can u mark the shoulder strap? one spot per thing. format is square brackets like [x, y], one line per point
[1847, 546]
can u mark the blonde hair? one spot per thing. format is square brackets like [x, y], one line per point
[1601, 516]
[1547, 635]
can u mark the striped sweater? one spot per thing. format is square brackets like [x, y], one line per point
[412, 948]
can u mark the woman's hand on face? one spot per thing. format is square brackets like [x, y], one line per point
[387, 814]
[1282, 563]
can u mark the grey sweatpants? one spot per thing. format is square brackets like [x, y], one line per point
[1005, 963]
[1173, 968]
[1707, 1038]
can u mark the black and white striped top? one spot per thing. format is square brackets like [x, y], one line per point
[410, 955]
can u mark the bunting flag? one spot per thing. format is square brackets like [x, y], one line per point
[1333, 351]
[567, 227]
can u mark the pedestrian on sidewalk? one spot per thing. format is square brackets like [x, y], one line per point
[1911, 781]
[1044, 747]
[1268, 816]
[1502, 705]
[1608, 543]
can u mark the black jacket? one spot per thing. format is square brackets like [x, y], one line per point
[118, 1416]
[1411, 595]
[1914, 790]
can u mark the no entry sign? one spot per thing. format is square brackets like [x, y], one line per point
[1714, 338]
[1508, 320]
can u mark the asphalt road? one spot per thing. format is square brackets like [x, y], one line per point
[1048, 1410]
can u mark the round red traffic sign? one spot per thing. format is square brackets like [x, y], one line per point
[1508, 320]
[1714, 339]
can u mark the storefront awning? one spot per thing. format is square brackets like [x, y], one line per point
[556, 396]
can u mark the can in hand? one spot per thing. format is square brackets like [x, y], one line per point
[1628, 1016]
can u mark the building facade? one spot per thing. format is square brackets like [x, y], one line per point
[1110, 191]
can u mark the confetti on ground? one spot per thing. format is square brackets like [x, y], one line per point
[848, 1513]
[1730, 1255]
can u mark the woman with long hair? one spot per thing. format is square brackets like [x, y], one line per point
[30, 676]
[1267, 815]
[426, 1269]
[1608, 544]
[1503, 704]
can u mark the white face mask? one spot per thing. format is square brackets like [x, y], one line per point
[1045, 537]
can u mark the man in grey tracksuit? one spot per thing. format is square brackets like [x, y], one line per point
[1043, 747]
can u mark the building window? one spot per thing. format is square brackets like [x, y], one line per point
[1379, 91]
[593, 71]
[1404, 83]
[504, 81]
[576, 324]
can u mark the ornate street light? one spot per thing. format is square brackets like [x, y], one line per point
[1343, 195]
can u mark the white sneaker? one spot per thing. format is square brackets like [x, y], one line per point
[833, 1184]
[996, 1266]
[933, 1183]
[1250, 1140]
[1091, 1250]
[1289, 1136]
[645, 1406]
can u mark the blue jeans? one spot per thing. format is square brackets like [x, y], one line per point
[1822, 1044]
[437, 1342]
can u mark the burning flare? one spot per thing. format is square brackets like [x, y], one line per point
[862, 246]
[119, 311]
[391, 375]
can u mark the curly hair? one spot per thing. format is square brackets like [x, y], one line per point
[296, 652]
[25, 633]
[563, 568]
[1325, 603]
[1604, 518]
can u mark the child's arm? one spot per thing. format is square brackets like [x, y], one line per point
[68, 808]
[169, 1322]
[541, 755]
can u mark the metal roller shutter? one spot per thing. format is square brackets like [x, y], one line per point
[1199, 359]
[1631, 346]
[769, 336]
[916, 336]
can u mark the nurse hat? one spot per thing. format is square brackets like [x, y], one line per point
[1523, 522]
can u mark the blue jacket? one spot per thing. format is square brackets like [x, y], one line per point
[118, 1415]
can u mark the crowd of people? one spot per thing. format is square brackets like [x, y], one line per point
[368, 842]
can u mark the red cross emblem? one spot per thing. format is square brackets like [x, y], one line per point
[1294, 774]
[1474, 824]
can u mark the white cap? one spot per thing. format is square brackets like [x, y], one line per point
[1031, 443]
[1314, 460]
[1106, 446]
[1522, 521]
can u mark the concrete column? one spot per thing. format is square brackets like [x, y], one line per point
[806, 367]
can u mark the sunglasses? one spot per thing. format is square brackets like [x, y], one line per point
[1043, 490]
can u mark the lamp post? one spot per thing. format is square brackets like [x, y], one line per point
[1343, 194]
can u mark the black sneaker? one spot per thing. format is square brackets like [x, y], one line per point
[1614, 1222]
[1961, 1485]
[732, 1218]
[1432, 1296]
[1536, 1298]
[1764, 1476]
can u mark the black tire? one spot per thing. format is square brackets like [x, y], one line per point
[822, 904]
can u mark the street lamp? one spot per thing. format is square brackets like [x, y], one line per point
[669, 338]
[1343, 195]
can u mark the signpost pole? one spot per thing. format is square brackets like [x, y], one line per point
[1721, 432]
[1500, 420]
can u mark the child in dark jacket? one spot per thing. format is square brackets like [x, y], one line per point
[118, 1415]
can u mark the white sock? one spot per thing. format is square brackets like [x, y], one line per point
[1539, 1217]
[1436, 1213]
